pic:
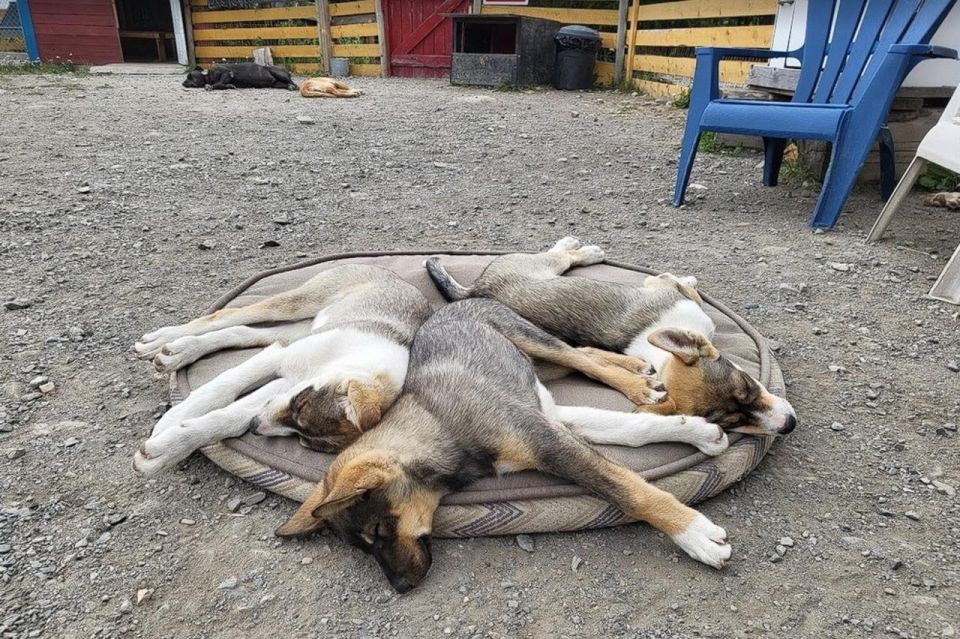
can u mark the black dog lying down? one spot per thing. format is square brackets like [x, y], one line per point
[242, 75]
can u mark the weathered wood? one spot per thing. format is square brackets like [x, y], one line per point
[592, 17]
[696, 9]
[659, 89]
[188, 28]
[254, 15]
[784, 81]
[263, 56]
[355, 50]
[732, 71]
[631, 40]
[384, 69]
[352, 8]
[244, 53]
[621, 42]
[255, 33]
[324, 41]
[363, 30]
[758, 36]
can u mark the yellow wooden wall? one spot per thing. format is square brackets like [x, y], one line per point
[231, 35]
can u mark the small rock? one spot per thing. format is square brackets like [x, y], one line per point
[305, 119]
[38, 381]
[16, 453]
[4, 548]
[697, 187]
[786, 541]
[116, 518]
[206, 245]
[852, 541]
[306, 561]
[270, 244]
[281, 220]
[233, 504]
[837, 426]
[254, 498]
[144, 594]
[126, 606]
[912, 514]
[17, 304]
[839, 266]
[574, 114]
[774, 557]
[526, 543]
[944, 488]
[228, 584]
[187, 521]
[47, 388]
[953, 367]
[70, 441]
[575, 563]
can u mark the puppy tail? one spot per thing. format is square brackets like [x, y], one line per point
[450, 288]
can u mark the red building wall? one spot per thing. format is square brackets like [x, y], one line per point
[83, 31]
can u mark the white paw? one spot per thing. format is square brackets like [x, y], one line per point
[164, 451]
[708, 437]
[177, 354]
[566, 244]
[151, 343]
[705, 542]
[656, 396]
[592, 255]
[689, 280]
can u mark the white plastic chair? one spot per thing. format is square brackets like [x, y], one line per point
[941, 145]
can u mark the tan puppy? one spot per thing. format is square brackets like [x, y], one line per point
[326, 88]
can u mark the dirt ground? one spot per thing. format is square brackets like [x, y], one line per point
[127, 203]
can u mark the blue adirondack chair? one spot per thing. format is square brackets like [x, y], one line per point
[849, 75]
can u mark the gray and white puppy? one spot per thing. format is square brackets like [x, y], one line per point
[661, 322]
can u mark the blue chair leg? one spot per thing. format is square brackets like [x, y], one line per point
[772, 159]
[846, 159]
[688, 151]
[888, 167]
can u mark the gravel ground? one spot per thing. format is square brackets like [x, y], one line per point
[128, 203]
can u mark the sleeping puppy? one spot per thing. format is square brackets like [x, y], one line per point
[241, 75]
[326, 88]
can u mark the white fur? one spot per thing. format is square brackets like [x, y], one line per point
[705, 541]
[187, 349]
[639, 429]
[686, 315]
[565, 244]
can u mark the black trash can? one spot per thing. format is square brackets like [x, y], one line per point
[577, 48]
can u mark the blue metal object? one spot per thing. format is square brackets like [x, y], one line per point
[29, 37]
[848, 77]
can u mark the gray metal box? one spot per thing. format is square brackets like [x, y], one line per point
[502, 49]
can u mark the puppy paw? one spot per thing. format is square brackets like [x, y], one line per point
[705, 542]
[689, 280]
[639, 367]
[149, 466]
[646, 395]
[708, 437]
[177, 354]
[591, 255]
[566, 244]
[151, 343]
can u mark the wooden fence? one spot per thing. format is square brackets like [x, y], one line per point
[302, 37]
[649, 45]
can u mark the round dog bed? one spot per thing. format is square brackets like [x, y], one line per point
[517, 502]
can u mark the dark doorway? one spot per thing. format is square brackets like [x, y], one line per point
[146, 30]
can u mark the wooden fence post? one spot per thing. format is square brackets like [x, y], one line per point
[323, 35]
[632, 40]
[621, 41]
[382, 41]
[476, 7]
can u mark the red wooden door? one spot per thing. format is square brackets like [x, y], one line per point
[84, 31]
[419, 38]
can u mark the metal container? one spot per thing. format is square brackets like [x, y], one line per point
[339, 67]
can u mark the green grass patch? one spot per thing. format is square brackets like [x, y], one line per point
[937, 178]
[709, 143]
[43, 68]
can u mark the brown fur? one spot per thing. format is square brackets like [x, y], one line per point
[326, 88]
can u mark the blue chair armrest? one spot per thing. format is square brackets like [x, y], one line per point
[927, 50]
[734, 52]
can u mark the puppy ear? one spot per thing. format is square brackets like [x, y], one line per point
[362, 405]
[689, 346]
[303, 521]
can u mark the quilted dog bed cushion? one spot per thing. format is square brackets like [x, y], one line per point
[515, 502]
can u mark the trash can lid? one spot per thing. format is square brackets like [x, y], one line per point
[578, 31]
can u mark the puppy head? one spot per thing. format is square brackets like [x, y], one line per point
[196, 79]
[372, 503]
[700, 381]
[327, 417]
[686, 285]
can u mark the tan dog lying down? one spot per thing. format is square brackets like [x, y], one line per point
[949, 200]
[326, 88]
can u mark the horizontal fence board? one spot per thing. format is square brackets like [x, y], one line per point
[254, 15]
[732, 71]
[659, 89]
[365, 69]
[608, 40]
[605, 72]
[363, 30]
[303, 68]
[356, 50]
[691, 9]
[280, 51]
[567, 16]
[256, 33]
[352, 8]
[751, 36]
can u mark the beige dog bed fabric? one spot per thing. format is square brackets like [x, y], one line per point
[516, 502]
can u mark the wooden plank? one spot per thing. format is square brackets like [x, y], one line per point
[658, 89]
[255, 15]
[758, 36]
[566, 16]
[370, 70]
[363, 30]
[608, 40]
[631, 40]
[382, 41]
[282, 51]
[606, 72]
[255, 33]
[324, 40]
[620, 44]
[352, 8]
[731, 71]
[356, 50]
[432, 61]
[692, 9]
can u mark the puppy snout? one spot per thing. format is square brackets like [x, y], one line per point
[401, 584]
[789, 423]
[254, 425]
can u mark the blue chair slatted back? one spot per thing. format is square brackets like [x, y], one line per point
[847, 40]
